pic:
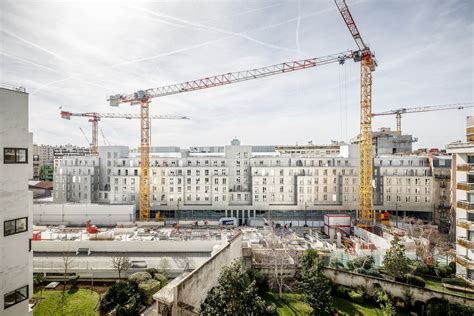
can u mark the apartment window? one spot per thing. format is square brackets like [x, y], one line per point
[15, 297]
[15, 155]
[15, 226]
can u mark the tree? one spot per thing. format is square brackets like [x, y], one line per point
[165, 265]
[280, 260]
[395, 262]
[235, 294]
[67, 262]
[121, 264]
[38, 279]
[386, 304]
[315, 286]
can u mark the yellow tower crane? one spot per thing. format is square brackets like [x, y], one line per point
[143, 97]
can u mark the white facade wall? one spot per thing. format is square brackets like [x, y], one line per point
[79, 213]
[16, 202]
[236, 183]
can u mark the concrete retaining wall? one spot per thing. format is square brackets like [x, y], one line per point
[126, 246]
[79, 214]
[395, 289]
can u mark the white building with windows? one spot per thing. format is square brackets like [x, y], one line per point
[463, 200]
[16, 202]
[247, 181]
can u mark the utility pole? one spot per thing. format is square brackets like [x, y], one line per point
[396, 208]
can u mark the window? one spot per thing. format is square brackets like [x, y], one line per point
[15, 226]
[15, 155]
[15, 297]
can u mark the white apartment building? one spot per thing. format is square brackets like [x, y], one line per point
[463, 200]
[16, 276]
[246, 182]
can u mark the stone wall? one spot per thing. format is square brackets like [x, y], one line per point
[395, 289]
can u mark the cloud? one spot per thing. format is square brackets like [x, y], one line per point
[75, 54]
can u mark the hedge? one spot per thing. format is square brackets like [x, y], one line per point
[415, 280]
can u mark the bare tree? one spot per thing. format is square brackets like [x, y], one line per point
[67, 262]
[121, 264]
[164, 266]
[280, 261]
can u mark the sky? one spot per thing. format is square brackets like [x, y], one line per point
[74, 54]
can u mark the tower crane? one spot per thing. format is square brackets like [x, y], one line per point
[144, 97]
[95, 117]
[398, 112]
[365, 214]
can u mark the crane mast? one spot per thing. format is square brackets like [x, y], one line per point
[365, 215]
[430, 108]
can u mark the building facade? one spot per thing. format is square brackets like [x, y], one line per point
[463, 201]
[247, 181]
[16, 168]
[44, 155]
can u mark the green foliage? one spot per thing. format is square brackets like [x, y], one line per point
[260, 280]
[315, 286]
[343, 291]
[385, 303]
[73, 282]
[457, 282]
[149, 288]
[125, 297]
[235, 294]
[38, 279]
[395, 262]
[356, 296]
[437, 307]
[336, 264]
[152, 271]
[139, 277]
[364, 262]
[415, 280]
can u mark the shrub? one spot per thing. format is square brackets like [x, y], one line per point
[374, 273]
[152, 271]
[118, 293]
[342, 290]
[415, 280]
[443, 271]
[139, 277]
[357, 297]
[73, 280]
[149, 288]
[365, 262]
[162, 278]
[457, 282]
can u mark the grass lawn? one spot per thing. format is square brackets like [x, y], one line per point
[82, 302]
[292, 304]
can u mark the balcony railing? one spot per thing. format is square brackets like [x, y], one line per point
[465, 262]
[465, 205]
[465, 167]
[465, 223]
[466, 186]
[466, 243]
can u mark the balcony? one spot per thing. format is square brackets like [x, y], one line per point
[465, 205]
[466, 224]
[466, 243]
[465, 186]
[465, 262]
[465, 167]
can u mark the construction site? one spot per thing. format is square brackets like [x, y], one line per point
[190, 212]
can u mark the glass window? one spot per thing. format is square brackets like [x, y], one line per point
[15, 297]
[15, 226]
[15, 155]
